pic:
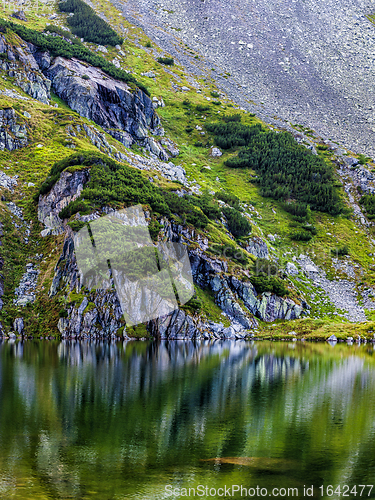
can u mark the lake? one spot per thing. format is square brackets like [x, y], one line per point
[147, 420]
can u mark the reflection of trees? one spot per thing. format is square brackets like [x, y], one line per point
[76, 412]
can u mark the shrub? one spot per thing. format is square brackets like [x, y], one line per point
[232, 118]
[228, 198]
[368, 202]
[85, 23]
[301, 236]
[238, 224]
[201, 108]
[230, 252]
[215, 94]
[285, 168]
[85, 77]
[167, 61]
[271, 284]
[340, 251]
[73, 208]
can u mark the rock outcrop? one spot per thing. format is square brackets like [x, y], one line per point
[13, 133]
[127, 116]
[67, 189]
[98, 312]
[257, 247]
[21, 65]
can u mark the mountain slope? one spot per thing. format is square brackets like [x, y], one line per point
[290, 264]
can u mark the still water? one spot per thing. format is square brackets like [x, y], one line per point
[142, 420]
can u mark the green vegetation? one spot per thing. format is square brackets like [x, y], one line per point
[85, 23]
[118, 185]
[273, 284]
[167, 61]
[285, 169]
[59, 47]
[51, 28]
[238, 224]
[340, 251]
[368, 202]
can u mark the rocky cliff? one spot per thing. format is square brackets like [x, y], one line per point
[98, 312]
[128, 116]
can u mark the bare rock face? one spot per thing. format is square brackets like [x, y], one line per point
[23, 67]
[20, 15]
[13, 135]
[67, 189]
[90, 92]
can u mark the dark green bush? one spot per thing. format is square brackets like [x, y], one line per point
[340, 251]
[238, 224]
[228, 198]
[73, 208]
[231, 252]
[265, 267]
[299, 210]
[208, 205]
[301, 236]
[167, 61]
[271, 284]
[232, 118]
[201, 108]
[368, 202]
[85, 23]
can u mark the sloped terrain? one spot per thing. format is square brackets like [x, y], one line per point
[308, 62]
[77, 143]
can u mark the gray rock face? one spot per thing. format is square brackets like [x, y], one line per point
[25, 292]
[296, 59]
[175, 326]
[291, 269]
[67, 189]
[13, 135]
[23, 67]
[20, 15]
[106, 101]
[257, 247]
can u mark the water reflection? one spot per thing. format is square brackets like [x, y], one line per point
[103, 420]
